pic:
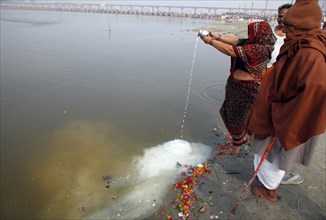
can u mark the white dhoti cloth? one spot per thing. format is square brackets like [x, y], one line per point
[269, 174]
[278, 160]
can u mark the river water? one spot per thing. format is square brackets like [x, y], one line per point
[86, 96]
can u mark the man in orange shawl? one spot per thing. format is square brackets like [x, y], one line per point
[292, 102]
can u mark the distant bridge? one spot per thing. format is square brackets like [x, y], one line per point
[137, 9]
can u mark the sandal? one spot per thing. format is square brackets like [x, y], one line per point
[292, 178]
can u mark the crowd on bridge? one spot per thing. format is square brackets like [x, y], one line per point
[211, 14]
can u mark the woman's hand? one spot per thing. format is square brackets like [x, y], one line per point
[207, 39]
[213, 35]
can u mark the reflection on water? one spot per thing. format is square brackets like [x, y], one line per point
[44, 21]
[76, 106]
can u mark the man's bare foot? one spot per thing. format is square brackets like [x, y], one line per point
[265, 193]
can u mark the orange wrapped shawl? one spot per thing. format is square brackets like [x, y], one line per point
[292, 101]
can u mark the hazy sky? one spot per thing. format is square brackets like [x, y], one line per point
[270, 4]
[255, 3]
[228, 3]
[273, 4]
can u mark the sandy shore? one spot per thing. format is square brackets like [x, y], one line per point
[218, 192]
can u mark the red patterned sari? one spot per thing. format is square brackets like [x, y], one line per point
[240, 95]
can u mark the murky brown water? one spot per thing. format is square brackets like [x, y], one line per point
[79, 101]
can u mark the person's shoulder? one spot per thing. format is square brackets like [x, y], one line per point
[311, 55]
[314, 46]
[278, 31]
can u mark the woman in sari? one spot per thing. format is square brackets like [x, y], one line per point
[249, 58]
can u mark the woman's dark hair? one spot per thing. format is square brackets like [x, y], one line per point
[287, 6]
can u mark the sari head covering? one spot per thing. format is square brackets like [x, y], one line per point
[256, 53]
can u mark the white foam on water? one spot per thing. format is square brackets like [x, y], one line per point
[152, 175]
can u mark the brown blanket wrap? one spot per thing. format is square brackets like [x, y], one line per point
[292, 101]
